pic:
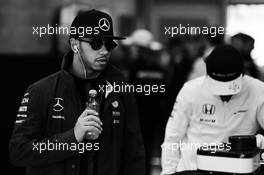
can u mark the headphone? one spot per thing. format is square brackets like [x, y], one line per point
[76, 50]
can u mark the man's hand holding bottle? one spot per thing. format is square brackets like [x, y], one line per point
[89, 125]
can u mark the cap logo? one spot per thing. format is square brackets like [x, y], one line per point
[234, 86]
[104, 24]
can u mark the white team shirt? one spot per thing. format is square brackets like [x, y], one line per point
[199, 117]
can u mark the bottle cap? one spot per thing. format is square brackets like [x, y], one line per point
[92, 92]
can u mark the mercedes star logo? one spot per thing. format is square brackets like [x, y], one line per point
[104, 24]
[58, 107]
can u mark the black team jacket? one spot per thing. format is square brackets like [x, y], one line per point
[45, 122]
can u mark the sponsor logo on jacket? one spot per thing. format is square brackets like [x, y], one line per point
[116, 113]
[208, 109]
[58, 108]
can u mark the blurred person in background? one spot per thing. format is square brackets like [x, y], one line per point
[245, 44]
[53, 115]
[121, 59]
[194, 45]
[199, 68]
[178, 70]
[147, 71]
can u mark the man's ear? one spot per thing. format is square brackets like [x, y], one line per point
[74, 45]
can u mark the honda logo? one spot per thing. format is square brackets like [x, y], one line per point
[208, 109]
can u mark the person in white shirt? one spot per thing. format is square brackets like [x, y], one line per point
[211, 108]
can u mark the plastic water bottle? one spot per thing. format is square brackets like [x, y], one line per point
[92, 104]
[93, 101]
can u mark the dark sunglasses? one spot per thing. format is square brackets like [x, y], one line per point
[97, 44]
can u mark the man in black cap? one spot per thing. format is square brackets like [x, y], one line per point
[211, 108]
[55, 134]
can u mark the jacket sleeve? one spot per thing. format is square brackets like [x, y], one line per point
[27, 144]
[175, 131]
[260, 119]
[134, 152]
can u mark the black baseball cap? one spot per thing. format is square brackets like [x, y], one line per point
[224, 68]
[93, 24]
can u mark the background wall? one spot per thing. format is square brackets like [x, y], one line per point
[177, 13]
[18, 17]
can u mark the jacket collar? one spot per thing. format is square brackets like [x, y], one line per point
[67, 60]
[111, 74]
